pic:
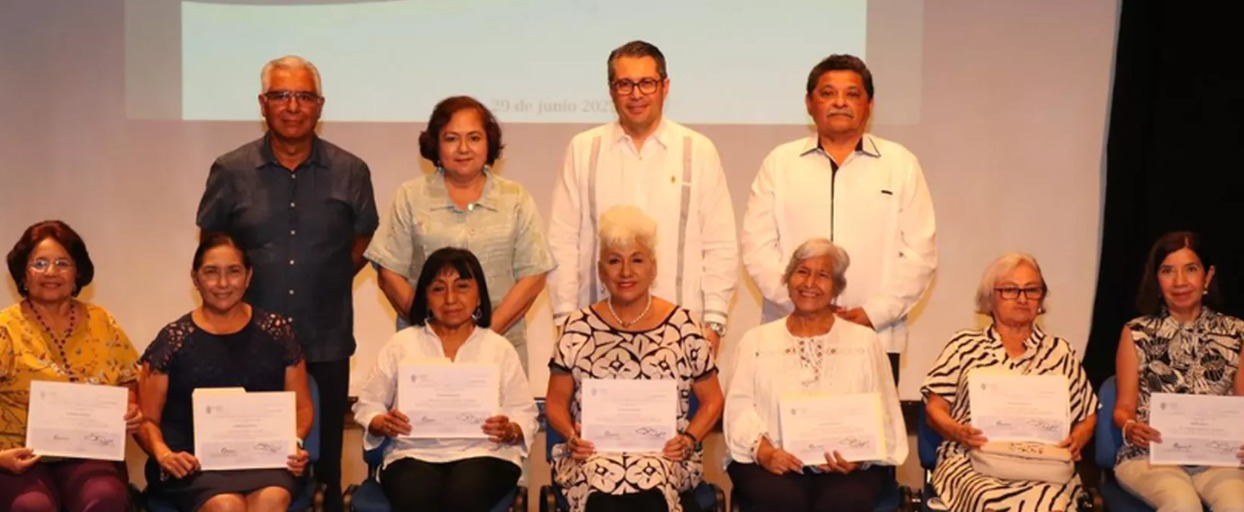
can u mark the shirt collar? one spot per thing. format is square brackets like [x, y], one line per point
[267, 157]
[1033, 341]
[866, 145]
[617, 135]
[487, 197]
[431, 334]
[1206, 313]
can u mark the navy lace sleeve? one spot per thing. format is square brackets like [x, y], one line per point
[281, 330]
[159, 354]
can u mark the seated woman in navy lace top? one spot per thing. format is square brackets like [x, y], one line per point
[222, 343]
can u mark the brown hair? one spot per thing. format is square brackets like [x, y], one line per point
[19, 257]
[429, 140]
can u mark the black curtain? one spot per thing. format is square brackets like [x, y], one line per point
[1173, 154]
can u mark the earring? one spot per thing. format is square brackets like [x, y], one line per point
[1205, 291]
[477, 313]
[430, 317]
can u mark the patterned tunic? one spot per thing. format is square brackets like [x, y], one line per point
[1198, 358]
[97, 352]
[591, 349]
[956, 481]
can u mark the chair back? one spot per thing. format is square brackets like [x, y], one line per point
[1108, 436]
[927, 440]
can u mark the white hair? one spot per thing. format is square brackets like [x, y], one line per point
[625, 225]
[815, 248]
[995, 271]
[288, 62]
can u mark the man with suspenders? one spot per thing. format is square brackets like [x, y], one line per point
[670, 172]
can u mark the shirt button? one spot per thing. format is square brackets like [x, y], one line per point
[293, 232]
[291, 204]
[291, 262]
[291, 292]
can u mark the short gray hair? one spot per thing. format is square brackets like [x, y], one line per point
[1001, 267]
[289, 62]
[624, 225]
[815, 248]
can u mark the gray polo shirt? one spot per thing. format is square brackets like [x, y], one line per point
[298, 228]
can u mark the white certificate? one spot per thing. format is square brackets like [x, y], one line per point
[77, 421]
[816, 424]
[448, 400]
[239, 430]
[1026, 408]
[1197, 430]
[626, 415]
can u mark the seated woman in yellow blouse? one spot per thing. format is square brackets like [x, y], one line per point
[51, 336]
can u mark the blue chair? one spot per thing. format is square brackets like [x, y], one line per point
[368, 496]
[927, 441]
[1108, 440]
[707, 495]
[305, 498]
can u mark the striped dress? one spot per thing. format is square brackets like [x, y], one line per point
[957, 483]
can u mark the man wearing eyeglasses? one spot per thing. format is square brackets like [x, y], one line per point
[865, 193]
[304, 212]
[669, 171]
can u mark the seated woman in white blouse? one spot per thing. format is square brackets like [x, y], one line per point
[451, 314]
[808, 351]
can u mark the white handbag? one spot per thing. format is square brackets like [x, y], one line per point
[1024, 461]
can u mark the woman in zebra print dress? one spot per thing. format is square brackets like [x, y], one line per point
[1012, 292]
[1179, 346]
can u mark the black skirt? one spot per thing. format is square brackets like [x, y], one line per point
[190, 493]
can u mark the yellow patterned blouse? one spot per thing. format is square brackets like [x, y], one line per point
[97, 352]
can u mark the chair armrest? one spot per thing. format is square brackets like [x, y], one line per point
[1091, 500]
[910, 500]
[520, 499]
[548, 499]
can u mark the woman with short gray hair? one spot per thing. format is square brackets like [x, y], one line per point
[1012, 293]
[631, 335]
[809, 351]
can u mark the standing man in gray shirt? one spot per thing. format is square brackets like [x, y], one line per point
[304, 212]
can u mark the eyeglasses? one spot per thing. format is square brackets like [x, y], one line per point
[646, 86]
[42, 265]
[286, 96]
[216, 274]
[1012, 292]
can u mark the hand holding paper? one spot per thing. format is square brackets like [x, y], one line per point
[835, 463]
[18, 460]
[390, 424]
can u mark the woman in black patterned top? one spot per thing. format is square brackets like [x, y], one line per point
[1179, 346]
[1012, 292]
[222, 343]
[631, 335]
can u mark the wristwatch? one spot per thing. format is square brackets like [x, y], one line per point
[695, 443]
[716, 327]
